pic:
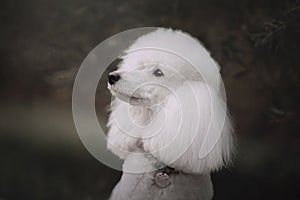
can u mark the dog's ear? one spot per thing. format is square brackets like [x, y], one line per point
[197, 136]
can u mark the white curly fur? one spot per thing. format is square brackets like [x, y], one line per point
[180, 117]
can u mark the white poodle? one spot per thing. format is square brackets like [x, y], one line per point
[168, 119]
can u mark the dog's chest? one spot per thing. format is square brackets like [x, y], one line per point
[176, 187]
[163, 184]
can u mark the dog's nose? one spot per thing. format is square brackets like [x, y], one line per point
[112, 79]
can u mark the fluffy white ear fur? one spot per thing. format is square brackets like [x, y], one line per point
[197, 136]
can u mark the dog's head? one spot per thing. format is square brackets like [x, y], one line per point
[191, 129]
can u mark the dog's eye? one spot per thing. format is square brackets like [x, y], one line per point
[158, 72]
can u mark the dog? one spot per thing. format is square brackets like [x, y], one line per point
[169, 119]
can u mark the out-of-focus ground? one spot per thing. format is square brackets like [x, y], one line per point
[42, 44]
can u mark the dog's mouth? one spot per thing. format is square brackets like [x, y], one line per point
[137, 98]
[129, 98]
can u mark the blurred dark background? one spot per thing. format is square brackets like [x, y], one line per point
[42, 44]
